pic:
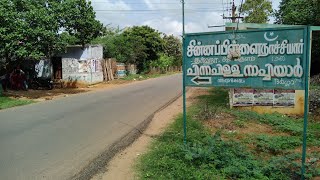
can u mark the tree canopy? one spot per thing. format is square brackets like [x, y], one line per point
[42, 28]
[173, 48]
[79, 21]
[298, 12]
[146, 41]
[36, 29]
[302, 12]
[257, 11]
[143, 46]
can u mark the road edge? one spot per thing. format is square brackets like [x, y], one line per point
[58, 97]
[98, 164]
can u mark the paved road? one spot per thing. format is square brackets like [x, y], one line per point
[56, 139]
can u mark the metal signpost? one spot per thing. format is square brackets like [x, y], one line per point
[274, 58]
[184, 80]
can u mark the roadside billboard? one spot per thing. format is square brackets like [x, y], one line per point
[263, 58]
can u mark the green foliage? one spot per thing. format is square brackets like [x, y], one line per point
[257, 11]
[173, 48]
[26, 29]
[32, 29]
[315, 86]
[147, 44]
[141, 45]
[209, 156]
[107, 40]
[217, 97]
[283, 167]
[79, 20]
[289, 167]
[163, 62]
[228, 157]
[122, 48]
[276, 144]
[6, 102]
[240, 123]
[302, 12]
[282, 123]
[207, 112]
[298, 12]
[278, 121]
[167, 158]
[67, 39]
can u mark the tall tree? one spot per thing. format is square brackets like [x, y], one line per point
[79, 20]
[298, 12]
[173, 48]
[257, 11]
[146, 41]
[8, 20]
[113, 44]
[32, 29]
[302, 12]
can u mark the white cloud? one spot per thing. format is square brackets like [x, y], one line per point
[164, 15]
[162, 4]
[171, 25]
[149, 4]
[166, 24]
[109, 12]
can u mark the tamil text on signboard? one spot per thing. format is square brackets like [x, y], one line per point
[272, 58]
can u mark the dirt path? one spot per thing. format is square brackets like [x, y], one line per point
[121, 166]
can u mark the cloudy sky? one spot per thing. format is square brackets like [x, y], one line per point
[165, 15]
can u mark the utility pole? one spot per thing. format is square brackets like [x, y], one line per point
[233, 16]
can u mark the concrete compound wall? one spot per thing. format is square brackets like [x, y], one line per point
[88, 71]
[83, 65]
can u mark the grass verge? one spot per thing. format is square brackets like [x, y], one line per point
[7, 102]
[231, 144]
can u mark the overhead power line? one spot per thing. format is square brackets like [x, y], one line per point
[233, 17]
[158, 3]
[152, 10]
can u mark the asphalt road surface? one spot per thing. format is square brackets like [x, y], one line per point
[57, 139]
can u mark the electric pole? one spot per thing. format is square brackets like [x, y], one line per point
[233, 15]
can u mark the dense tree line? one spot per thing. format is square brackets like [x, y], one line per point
[143, 46]
[35, 29]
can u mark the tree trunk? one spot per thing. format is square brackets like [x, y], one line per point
[109, 70]
[104, 70]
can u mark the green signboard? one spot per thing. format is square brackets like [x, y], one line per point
[263, 58]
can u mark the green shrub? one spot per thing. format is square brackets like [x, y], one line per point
[276, 144]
